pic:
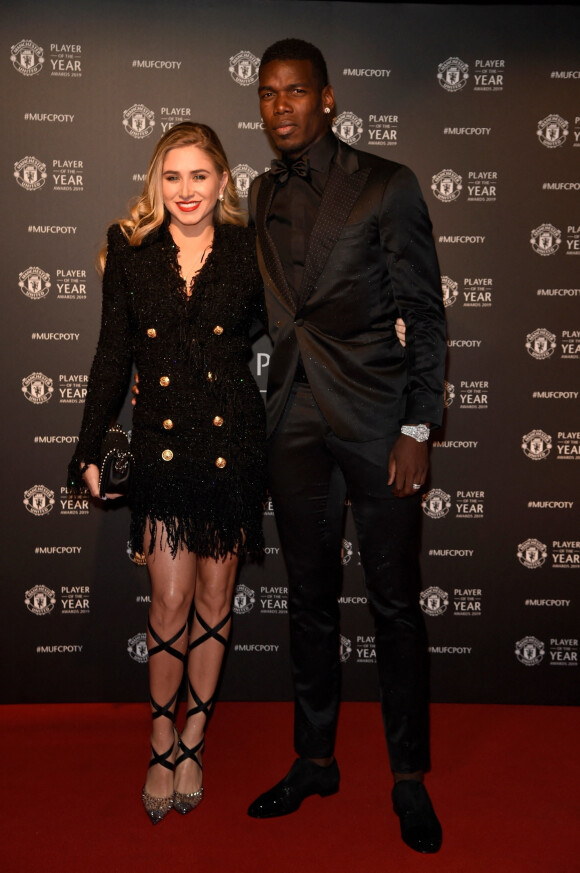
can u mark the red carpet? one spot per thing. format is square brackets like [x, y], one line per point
[504, 783]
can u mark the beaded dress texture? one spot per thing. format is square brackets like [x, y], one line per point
[199, 423]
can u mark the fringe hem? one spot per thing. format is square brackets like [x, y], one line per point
[218, 541]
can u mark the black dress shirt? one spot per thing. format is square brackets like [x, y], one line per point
[295, 206]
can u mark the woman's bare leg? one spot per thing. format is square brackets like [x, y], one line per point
[173, 583]
[209, 634]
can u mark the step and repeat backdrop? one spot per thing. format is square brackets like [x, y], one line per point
[484, 104]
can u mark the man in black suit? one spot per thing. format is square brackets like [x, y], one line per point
[345, 247]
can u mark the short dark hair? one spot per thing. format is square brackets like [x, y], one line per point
[298, 50]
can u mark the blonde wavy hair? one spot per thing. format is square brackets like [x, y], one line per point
[147, 212]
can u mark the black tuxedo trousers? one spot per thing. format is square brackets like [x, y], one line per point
[311, 472]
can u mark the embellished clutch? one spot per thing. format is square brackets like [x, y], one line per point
[116, 462]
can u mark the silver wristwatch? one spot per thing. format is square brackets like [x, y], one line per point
[419, 432]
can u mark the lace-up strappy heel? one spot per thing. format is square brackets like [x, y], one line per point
[158, 807]
[184, 803]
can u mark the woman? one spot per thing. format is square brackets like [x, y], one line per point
[181, 289]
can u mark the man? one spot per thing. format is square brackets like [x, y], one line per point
[345, 246]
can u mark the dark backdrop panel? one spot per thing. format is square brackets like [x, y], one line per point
[483, 103]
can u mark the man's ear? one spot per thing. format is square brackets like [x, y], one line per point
[328, 99]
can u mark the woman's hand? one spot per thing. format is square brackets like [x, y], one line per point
[400, 330]
[91, 480]
[135, 389]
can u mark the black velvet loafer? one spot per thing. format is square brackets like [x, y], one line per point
[303, 779]
[420, 828]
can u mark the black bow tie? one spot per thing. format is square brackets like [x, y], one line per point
[280, 170]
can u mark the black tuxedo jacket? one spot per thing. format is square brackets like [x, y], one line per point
[371, 257]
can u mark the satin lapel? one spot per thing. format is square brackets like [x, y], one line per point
[339, 196]
[269, 251]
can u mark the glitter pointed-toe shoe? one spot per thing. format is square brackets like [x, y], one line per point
[158, 807]
[184, 803]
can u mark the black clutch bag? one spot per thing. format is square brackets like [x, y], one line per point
[116, 462]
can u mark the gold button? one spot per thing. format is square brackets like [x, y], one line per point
[167, 454]
[164, 381]
[167, 424]
[220, 462]
[218, 330]
[151, 333]
[210, 376]
[218, 421]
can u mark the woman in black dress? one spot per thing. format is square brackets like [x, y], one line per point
[181, 290]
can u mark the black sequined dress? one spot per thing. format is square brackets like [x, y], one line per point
[198, 427]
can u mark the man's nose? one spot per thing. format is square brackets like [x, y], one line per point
[281, 104]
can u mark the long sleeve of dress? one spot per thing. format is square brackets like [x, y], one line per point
[111, 367]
